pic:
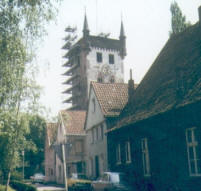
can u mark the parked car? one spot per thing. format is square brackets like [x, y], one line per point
[79, 182]
[38, 178]
[112, 181]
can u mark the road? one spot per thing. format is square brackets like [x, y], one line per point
[41, 187]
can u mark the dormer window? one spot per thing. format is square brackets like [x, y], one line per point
[111, 58]
[99, 57]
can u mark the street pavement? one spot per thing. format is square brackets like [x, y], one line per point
[41, 187]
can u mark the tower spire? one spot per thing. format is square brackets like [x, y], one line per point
[122, 39]
[122, 34]
[85, 27]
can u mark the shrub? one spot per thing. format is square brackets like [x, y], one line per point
[16, 176]
[20, 186]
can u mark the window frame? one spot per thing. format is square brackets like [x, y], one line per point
[194, 145]
[145, 157]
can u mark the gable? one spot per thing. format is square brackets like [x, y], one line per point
[94, 113]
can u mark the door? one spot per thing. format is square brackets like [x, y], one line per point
[97, 166]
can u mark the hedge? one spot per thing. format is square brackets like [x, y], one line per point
[20, 186]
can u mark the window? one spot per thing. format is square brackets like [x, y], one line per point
[102, 131]
[52, 172]
[145, 157]
[59, 171]
[99, 57]
[194, 162]
[92, 166]
[94, 104]
[118, 154]
[97, 134]
[78, 61]
[78, 146]
[128, 152]
[111, 58]
[92, 135]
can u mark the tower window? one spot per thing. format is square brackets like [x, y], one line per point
[111, 58]
[99, 57]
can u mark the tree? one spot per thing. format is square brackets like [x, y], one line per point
[179, 23]
[34, 156]
[21, 25]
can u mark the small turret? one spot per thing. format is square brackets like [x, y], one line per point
[131, 88]
[85, 27]
[122, 39]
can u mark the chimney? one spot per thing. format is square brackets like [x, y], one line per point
[131, 88]
[199, 12]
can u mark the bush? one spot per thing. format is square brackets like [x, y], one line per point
[16, 176]
[20, 186]
[2, 188]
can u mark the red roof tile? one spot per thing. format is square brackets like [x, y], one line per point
[74, 121]
[51, 131]
[112, 97]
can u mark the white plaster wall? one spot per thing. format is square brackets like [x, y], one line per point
[99, 147]
[59, 180]
[93, 67]
[93, 118]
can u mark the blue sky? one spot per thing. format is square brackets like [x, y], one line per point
[146, 22]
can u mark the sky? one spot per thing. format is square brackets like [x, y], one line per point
[146, 23]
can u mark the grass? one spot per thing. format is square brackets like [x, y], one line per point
[2, 188]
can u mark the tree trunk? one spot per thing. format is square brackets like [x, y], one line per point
[8, 180]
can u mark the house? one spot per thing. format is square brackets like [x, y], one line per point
[106, 100]
[50, 155]
[71, 134]
[157, 140]
[92, 58]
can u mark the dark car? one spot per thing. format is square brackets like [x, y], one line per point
[112, 181]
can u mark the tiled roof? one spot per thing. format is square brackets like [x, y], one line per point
[97, 42]
[102, 42]
[173, 80]
[112, 97]
[51, 129]
[74, 121]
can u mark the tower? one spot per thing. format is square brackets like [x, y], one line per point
[93, 58]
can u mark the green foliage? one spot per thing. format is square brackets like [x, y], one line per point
[21, 25]
[2, 188]
[22, 186]
[16, 176]
[34, 156]
[179, 23]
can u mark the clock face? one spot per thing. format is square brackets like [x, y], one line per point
[106, 71]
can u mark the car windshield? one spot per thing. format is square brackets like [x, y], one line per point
[38, 174]
[78, 176]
